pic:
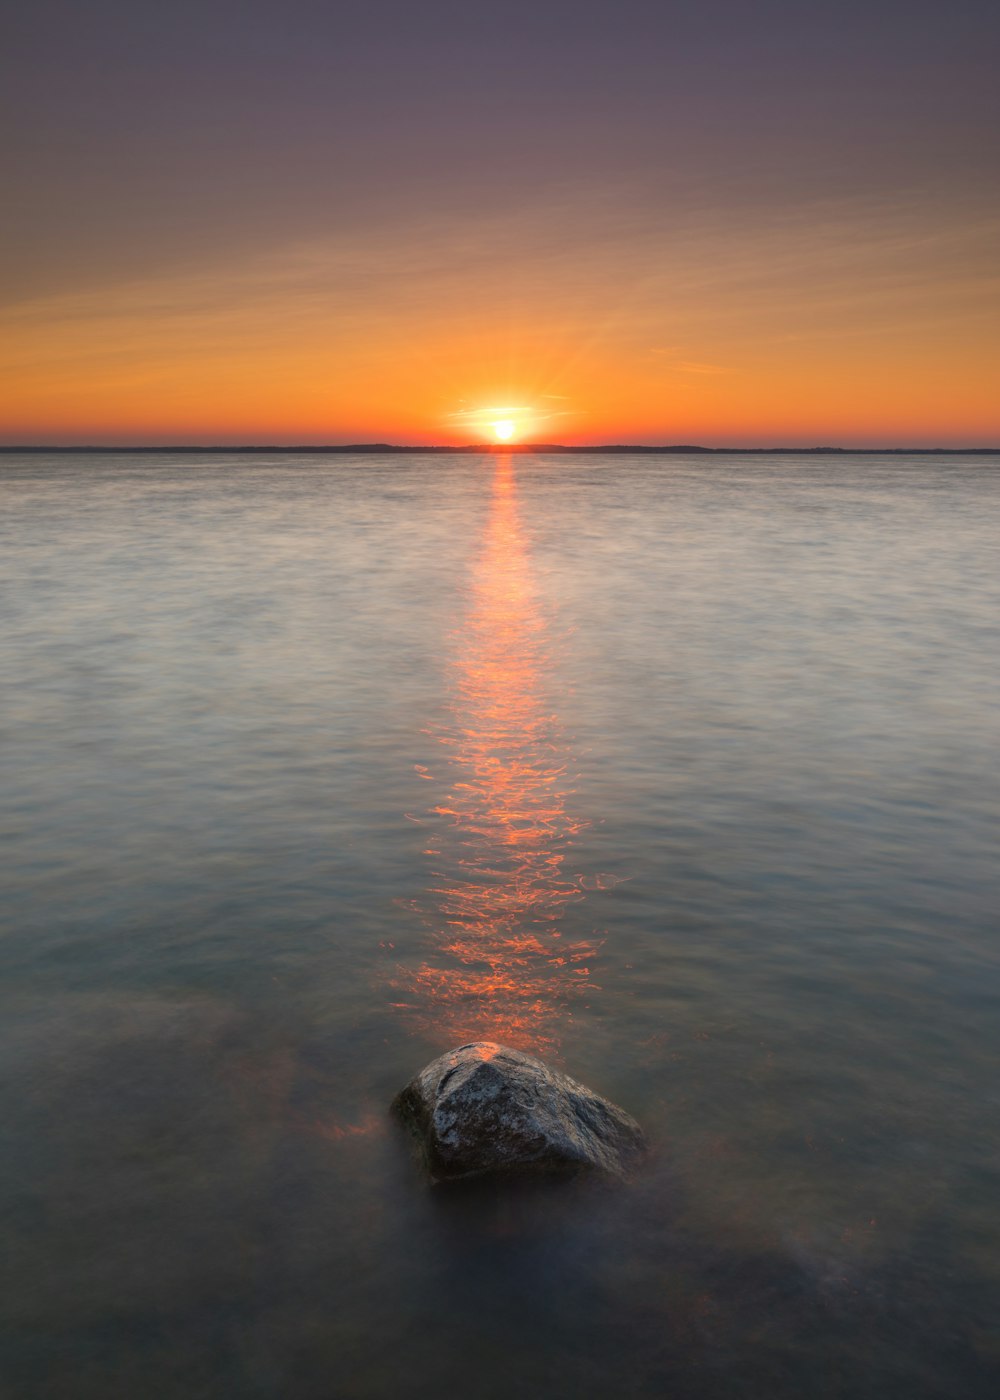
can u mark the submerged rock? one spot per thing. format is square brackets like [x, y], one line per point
[484, 1110]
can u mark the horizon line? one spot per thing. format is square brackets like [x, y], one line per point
[478, 448]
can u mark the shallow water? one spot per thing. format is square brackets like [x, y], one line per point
[681, 771]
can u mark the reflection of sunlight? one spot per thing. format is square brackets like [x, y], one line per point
[501, 968]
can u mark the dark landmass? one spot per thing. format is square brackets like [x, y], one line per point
[604, 449]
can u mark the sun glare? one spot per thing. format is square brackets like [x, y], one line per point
[504, 429]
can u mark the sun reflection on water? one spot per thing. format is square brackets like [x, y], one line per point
[501, 967]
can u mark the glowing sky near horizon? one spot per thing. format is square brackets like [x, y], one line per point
[646, 221]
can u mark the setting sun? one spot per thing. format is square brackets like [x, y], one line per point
[504, 429]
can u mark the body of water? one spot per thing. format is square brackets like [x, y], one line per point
[682, 772]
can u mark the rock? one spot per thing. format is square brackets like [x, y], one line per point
[485, 1110]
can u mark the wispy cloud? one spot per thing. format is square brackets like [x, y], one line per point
[694, 367]
[428, 323]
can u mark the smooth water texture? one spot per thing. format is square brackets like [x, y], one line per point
[680, 771]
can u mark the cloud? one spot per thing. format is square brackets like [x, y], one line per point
[595, 296]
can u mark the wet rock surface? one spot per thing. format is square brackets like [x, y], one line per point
[486, 1110]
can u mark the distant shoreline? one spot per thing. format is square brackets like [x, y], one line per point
[477, 449]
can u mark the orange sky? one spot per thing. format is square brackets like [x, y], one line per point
[745, 242]
[869, 324]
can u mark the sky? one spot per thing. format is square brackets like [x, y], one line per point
[658, 221]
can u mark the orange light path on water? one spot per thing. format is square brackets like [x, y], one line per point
[501, 968]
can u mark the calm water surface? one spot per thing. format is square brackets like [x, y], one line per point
[680, 771]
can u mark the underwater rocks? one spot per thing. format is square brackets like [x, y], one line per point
[486, 1110]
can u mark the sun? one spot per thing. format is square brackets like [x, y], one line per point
[504, 429]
